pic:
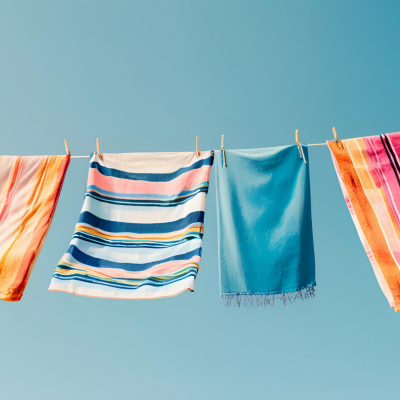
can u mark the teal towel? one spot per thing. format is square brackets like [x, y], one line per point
[266, 248]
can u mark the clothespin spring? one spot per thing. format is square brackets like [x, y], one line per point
[223, 151]
[336, 137]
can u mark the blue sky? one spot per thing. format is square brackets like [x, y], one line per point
[151, 76]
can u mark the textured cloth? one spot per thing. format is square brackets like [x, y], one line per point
[369, 174]
[266, 248]
[140, 232]
[29, 191]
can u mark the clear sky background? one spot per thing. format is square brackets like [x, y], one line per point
[150, 76]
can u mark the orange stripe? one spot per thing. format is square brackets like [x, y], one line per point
[48, 197]
[16, 171]
[137, 236]
[368, 221]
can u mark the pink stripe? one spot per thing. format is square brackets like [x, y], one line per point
[382, 173]
[165, 269]
[394, 139]
[186, 181]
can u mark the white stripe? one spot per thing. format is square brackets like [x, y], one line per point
[144, 292]
[143, 215]
[135, 255]
[149, 163]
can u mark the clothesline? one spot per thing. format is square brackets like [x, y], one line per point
[129, 207]
[66, 146]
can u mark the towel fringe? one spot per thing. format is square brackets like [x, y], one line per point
[236, 299]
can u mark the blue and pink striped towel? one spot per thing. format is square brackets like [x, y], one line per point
[139, 235]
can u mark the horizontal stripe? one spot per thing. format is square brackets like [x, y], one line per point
[147, 203]
[165, 227]
[196, 227]
[124, 187]
[137, 254]
[167, 269]
[136, 243]
[100, 263]
[92, 290]
[147, 196]
[66, 273]
[140, 162]
[142, 214]
[134, 255]
[150, 282]
[116, 173]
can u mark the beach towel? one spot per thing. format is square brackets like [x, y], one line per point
[29, 191]
[140, 232]
[369, 174]
[265, 240]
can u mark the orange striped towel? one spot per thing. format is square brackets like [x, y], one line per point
[368, 169]
[29, 191]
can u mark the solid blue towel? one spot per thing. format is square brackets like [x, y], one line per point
[266, 248]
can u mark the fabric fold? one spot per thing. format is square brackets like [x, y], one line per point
[368, 170]
[265, 240]
[29, 191]
[140, 232]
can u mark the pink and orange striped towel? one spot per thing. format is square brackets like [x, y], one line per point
[29, 191]
[369, 174]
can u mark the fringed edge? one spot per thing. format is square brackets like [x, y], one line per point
[236, 299]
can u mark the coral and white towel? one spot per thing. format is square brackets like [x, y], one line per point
[139, 235]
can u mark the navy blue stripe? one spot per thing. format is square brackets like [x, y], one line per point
[122, 243]
[150, 277]
[116, 173]
[87, 217]
[116, 199]
[94, 281]
[83, 258]
[145, 203]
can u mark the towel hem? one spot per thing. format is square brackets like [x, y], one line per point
[121, 298]
[266, 299]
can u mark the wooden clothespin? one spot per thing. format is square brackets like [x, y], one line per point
[197, 147]
[300, 147]
[223, 150]
[336, 137]
[98, 147]
[66, 147]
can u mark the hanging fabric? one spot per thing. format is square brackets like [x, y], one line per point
[266, 249]
[369, 175]
[139, 235]
[29, 191]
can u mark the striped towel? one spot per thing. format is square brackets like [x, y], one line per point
[139, 235]
[369, 174]
[29, 191]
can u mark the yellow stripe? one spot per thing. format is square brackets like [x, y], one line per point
[162, 236]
